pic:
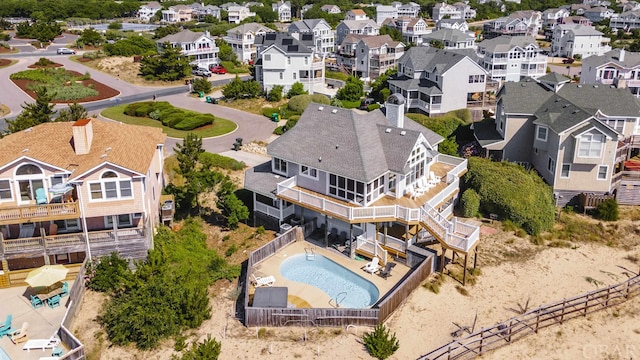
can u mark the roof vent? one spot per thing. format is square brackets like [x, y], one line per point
[25, 150]
[574, 111]
[107, 149]
[579, 85]
[334, 111]
[523, 84]
[28, 130]
[320, 108]
[565, 105]
[103, 156]
[403, 133]
[387, 130]
[320, 159]
[337, 146]
[595, 86]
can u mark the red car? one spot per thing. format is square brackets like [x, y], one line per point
[218, 69]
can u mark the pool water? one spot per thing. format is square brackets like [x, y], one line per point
[3, 354]
[349, 289]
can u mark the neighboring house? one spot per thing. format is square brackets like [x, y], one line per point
[572, 40]
[384, 12]
[374, 55]
[251, 4]
[458, 10]
[346, 52]
[356, 27]
[412, 29]
[576, 20]
[435, 81]
[626, 21]
[519, 23]
[239, 13]
[603, 3]
[177, 13]
[226, 6]
[200, 11]
[579, 9]
[283, 9]
[456, 24]
[576, 136]
[72, 190]
[284, 60]
[355, 174]
[199, 47]
[242, 40]
[409, 9]
[511, 58]
[598, 13]
[356, 15]
[322, 35]
[305, 8]
[617, 67]
[450, 39]
[148, 10]
[331, 9]
[552, 17]
[630, 6]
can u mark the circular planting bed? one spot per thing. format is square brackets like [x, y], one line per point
[44, 64]
[5, 62]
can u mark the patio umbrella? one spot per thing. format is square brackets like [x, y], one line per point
[46, 275]
[60, 189]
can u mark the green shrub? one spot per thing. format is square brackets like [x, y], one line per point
[335, 75]
[110, 274]
[231, 250]
[296, 89]
[275, 94]
[209, 349]
[444, 125]
[43, 62]
[172, 119]
[372, 107]
[350, 104]
[279, 130]
[299, 103]
[268, 111]
[201, 84]
[211, 160]
[607, 210]
[512, 192]
[380, 343]
[194, 121]
[470, 203]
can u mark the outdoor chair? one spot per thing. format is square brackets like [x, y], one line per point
[41, 196]
[19, 335]
[36, 302]
[41, 344]
[263, 281]
[54, 301]
[386, 272]
[373, 266]
[416, 192]
[57, 352]
[6, 327]
[65, 289]
[433, 179]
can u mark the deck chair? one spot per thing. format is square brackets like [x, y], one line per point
[41, 196]
[263, 281]
[65, 289]
[54, 301]
[36, 302]
[41, 344]
[6, 327]
[53, 229]
[433, 179]
[19, 335]
[386, 272]
[373, 266]
[27, 230]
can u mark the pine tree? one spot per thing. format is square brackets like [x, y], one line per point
[34, 113]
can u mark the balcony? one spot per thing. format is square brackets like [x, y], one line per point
[102, 243]
[44, 212]
[208, 50]
[421, 210]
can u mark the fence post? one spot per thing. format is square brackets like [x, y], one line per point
[537, 321]
[606, 301]
[510, 329]
[586, 304]
[564, 301]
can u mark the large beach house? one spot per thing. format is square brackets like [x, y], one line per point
[376, 183]
[71, 190]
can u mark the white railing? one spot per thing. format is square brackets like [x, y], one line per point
[266, 209]
[444, 194]
[380, 252]
[392, 242]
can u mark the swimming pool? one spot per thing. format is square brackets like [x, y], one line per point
[3, 354]
[350, 289]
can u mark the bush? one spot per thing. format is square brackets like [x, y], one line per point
[194, 121]
[607, 210]
[380, 343]
[513, 193]
[209, 349]
[275, 94]
[203, 85]
[268, 111]
[111, 273]
[372, 107]
[350, 104]
[211, 160]
[43, 62]
[470, 203]
[299, 103]
[296, 89]
[444, 125]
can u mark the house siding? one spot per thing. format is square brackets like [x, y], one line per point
[520, 129]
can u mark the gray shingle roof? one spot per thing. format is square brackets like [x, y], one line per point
[249, 27]
[505, 43]
[579, 30]
[359, 24]
[631, 59]
[261, 180]
[184, 36]
[347, 143]
[485, 133]
[429, 58]
[446, 34]
[305, 25]
[285, 42]
[554, 78]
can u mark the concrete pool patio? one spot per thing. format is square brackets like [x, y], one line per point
[43, 321]
[310, 294]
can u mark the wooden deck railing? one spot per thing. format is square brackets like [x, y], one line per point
[44, 212]
[76, 348]
[504, 333]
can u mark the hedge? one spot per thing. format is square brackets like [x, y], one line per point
[268, 111]
[194, 122]
[169, 116]
[512, 193]
[299, 103]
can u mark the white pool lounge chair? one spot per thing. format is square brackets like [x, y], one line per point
[263, 281]
[41, 344]
[373, 266]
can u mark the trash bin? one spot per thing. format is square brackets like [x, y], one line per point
[236, 146]
[239, 141]
[275, 117]
[208, 99]
[200, 94]
[186, 81]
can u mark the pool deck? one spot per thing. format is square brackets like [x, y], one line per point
[43, 321]
[311, 294]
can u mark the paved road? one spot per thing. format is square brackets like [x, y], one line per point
[250, 127]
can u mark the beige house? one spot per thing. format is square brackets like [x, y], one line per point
[71, 190]
[578, 137]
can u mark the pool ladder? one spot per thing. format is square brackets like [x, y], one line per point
[344, 296]
[311, 253]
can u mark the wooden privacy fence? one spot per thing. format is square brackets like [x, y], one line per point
[76, 348]
[255, 316]
[591, 201]
[520, 326]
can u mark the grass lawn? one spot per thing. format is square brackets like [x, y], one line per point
[220, 126]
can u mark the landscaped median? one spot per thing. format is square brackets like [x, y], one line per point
[218, 127]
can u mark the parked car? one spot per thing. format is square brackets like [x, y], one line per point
[201, 72]
[66, 51]
[218, 69]
[568, 60]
